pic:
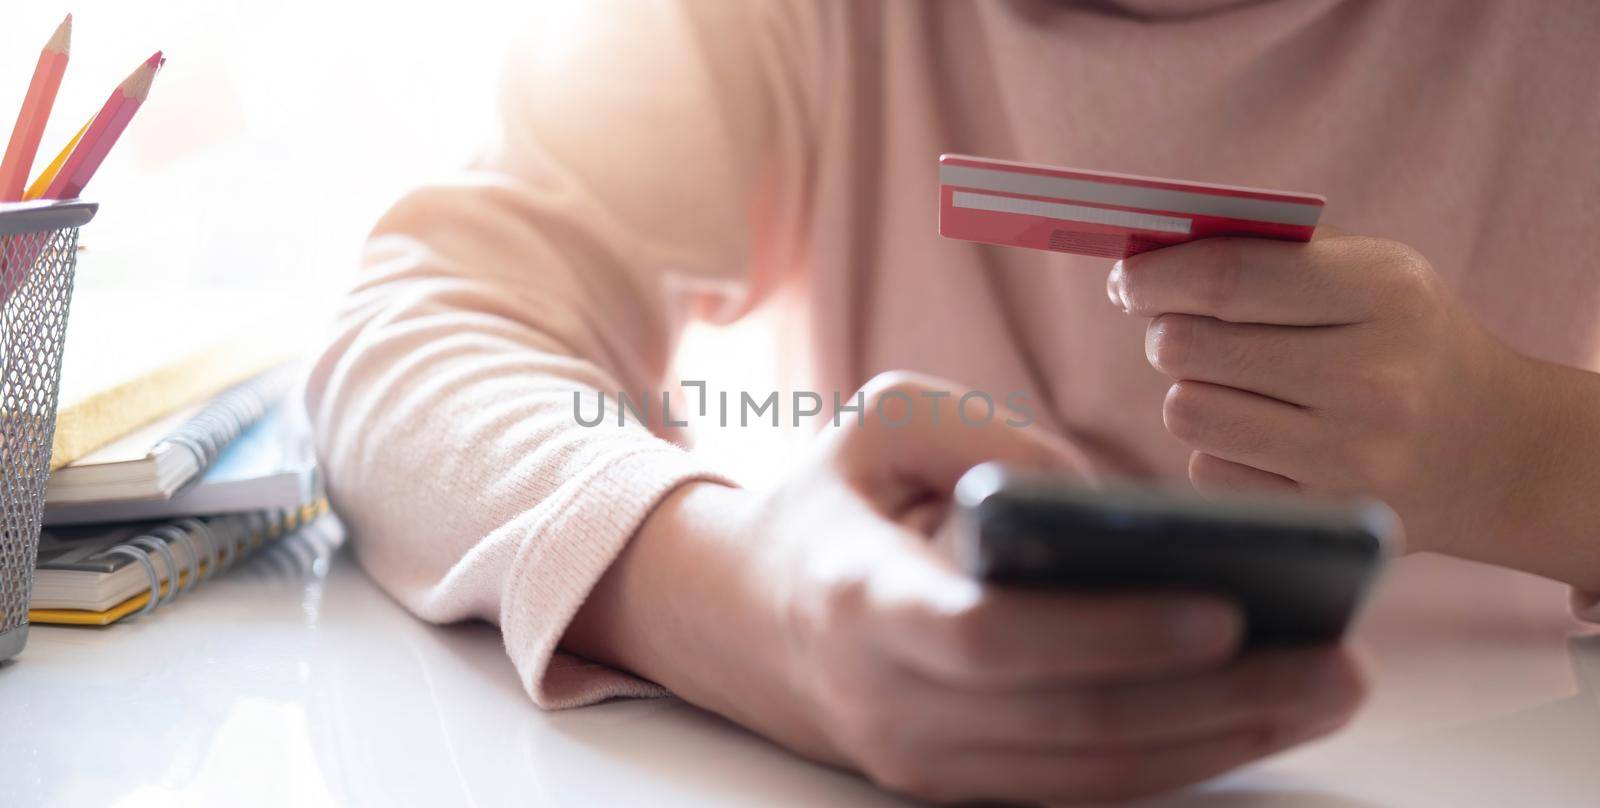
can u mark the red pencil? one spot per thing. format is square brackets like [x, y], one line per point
[108, 125]
[35, 112]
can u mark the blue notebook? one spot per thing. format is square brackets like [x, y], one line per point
[269, 466]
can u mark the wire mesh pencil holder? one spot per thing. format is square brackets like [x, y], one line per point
[38, 255]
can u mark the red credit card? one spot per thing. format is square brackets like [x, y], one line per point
[1102, 214]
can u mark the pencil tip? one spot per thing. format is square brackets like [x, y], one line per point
[62, 38]
[137, 84]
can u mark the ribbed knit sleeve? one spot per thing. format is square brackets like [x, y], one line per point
[650, 169]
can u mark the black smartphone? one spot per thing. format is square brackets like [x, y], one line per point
[1299, 570]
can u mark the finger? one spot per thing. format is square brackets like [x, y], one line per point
[1053, 776]
[985, 637]
[924, 433]
[1242, 427]
[1329, 281]
[1274, 689]
[1213, 475]
[1288, 363]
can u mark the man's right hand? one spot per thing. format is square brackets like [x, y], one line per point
[822, 615]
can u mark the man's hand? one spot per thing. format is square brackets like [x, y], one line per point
[822, 615]
[1346, 366]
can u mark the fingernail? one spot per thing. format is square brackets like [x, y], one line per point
[1114, 288]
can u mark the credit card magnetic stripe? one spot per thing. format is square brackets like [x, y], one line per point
[1070, 213]
[1220, 205]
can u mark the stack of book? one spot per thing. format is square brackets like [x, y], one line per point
[173, 455]
[166, 476]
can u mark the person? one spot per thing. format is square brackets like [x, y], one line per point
[666, 162]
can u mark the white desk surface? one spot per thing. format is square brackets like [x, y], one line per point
[295, 681]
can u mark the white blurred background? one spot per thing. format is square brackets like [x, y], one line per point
[277, 131]
[276, 135]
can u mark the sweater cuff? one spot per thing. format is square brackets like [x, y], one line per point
[553, 574]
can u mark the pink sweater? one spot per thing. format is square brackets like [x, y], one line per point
[679, 160]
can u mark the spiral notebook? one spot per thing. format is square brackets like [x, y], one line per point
[97, 575]
[158, 460]
[268, 467]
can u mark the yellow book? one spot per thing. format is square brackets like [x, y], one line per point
[97, 575]
[132, 358]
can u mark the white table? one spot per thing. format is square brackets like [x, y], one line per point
[294, 680]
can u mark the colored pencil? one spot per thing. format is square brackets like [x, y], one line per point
[25, 136]
[26, 250]
[107, 126]
[36, 190]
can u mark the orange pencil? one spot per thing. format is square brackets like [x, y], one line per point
[107, 126]
[48, 175]
[24, 143]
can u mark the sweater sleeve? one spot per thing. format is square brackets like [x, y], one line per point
[650, 168]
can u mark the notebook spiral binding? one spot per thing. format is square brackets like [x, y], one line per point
[228, 415]
[208, 547]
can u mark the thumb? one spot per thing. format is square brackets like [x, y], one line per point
[921, 433]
